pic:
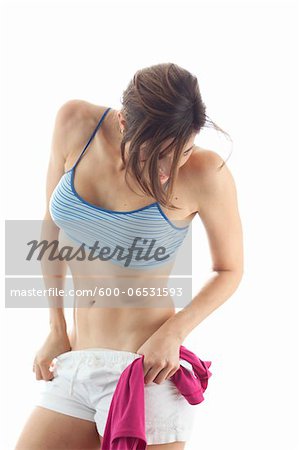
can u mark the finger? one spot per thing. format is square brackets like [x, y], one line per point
[149, 376]
[150, 366]
[161, 376]
[46, 374]
[147, 366]
[172, 372]
[153, 373]
[38, 374]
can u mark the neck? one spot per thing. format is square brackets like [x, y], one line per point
[112, 133]
[113, 138]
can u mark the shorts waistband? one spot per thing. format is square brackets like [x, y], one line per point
[106, 354]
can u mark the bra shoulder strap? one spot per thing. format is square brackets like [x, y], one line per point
[91, 137]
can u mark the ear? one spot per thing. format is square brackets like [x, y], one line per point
[121, 119]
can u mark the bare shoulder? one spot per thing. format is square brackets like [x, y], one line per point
[203, 162]
[67, 117]
[76, 119]
[69, 113]
[210, 177]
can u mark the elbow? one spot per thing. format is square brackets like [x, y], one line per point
[237, 275]
[232, 276]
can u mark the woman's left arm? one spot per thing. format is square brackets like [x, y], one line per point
[218, 210]
[219, 213]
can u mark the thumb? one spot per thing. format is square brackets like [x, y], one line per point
[46, 374]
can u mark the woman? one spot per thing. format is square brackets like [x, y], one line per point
[139, 176]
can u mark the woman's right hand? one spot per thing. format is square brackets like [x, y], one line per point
[55, 344]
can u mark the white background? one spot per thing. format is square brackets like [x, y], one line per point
[245, 55]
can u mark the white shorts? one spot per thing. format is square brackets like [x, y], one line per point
[83, 386]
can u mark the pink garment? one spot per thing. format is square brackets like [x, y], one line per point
[125, 426]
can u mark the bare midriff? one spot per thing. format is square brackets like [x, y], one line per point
[115, 328]
[117, 308]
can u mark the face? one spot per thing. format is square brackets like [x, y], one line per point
[164, 164]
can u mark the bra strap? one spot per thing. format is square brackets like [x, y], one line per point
[91, 137]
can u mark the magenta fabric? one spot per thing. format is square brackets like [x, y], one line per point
[125, 426]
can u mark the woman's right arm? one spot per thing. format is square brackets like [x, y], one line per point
[54, 271]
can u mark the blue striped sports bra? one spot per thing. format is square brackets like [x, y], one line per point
[138, 239]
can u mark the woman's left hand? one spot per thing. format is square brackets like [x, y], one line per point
[161, 357]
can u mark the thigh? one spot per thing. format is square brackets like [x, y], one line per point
[49, 430]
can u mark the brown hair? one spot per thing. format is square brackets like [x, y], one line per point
[161, 102]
